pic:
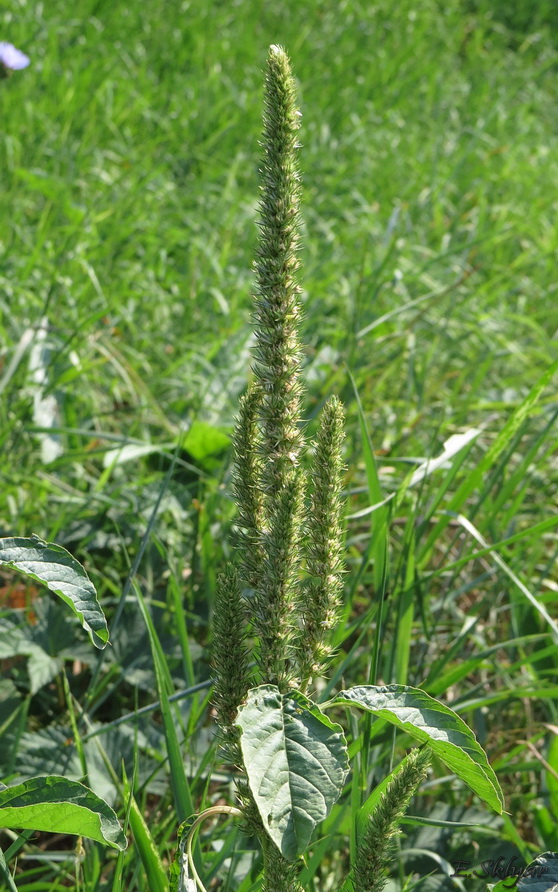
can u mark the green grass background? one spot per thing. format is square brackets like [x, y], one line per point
[129, 181]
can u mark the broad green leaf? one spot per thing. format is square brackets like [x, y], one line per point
[62, 574]
[431, 722]
[541, 875]
[204, 440]
[296, 762]
[58, 805]
[17, 641]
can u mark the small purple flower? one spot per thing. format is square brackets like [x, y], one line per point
[12, 59]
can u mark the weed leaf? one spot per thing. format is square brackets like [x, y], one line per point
[296, 761]
[62, 574]
[431, 722]
[541, 875]
[58, 805]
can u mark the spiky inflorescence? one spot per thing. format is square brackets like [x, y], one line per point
[277, 373]
[230, 658]
[275, 620]
[375, 849]
[321, 602]
[279, 875]
[277, 312]
[247, 487]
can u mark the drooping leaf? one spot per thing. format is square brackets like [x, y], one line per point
[541, 875]
[429, 721]
[296, 762]
[62, 574]
[58, 805]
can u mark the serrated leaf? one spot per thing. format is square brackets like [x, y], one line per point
[541, 875]
[296, 762]
[429, 721]
[62, 574]
[58, 805]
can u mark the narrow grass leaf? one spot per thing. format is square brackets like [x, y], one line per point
[466, 524]
[179, 781]
[5, 873]
[378, 544]
[405, 612]
[145, 844]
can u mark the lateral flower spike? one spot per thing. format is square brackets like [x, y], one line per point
[246, 478]
[376, 847]
[320, 606]
[230, 657]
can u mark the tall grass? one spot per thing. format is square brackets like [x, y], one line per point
[128, 163]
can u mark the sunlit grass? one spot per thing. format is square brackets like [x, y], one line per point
[129, 159]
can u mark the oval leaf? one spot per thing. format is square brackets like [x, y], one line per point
[541, 875]
[58, 805]
[296, 762]
[431, 722]
[62, 574]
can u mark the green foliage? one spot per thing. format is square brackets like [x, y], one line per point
[62, 574]
[296, 762]
[129, 166]
[429, 721]
[59, 805]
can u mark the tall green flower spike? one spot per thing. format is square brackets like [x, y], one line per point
[276, 608]
[268, 481]
[247, 473]
[277, 375]
[277, 354]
